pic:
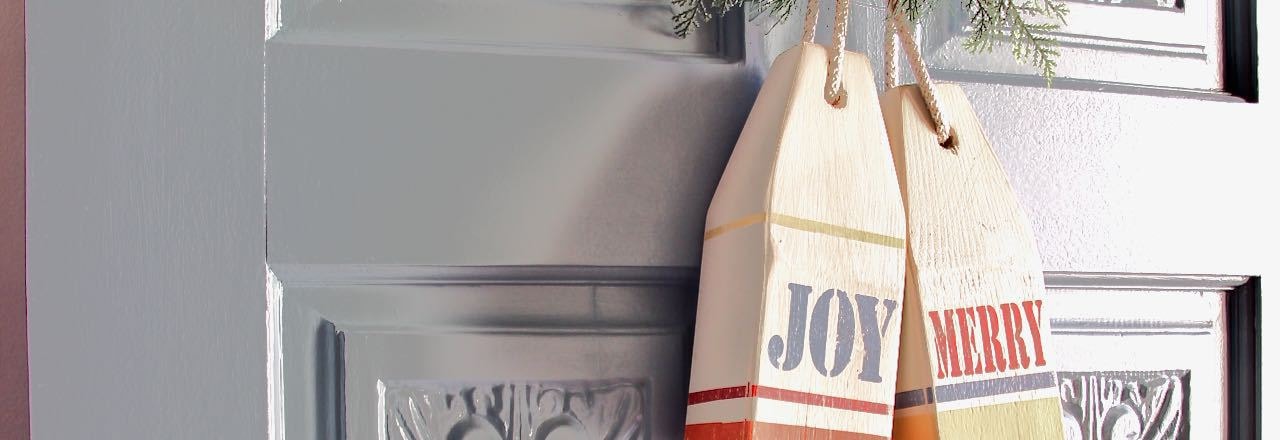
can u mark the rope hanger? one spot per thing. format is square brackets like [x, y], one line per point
[896, 27]
[835, 74]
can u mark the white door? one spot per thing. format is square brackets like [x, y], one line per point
[483, 217]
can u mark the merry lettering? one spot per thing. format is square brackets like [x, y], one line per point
[987, 339]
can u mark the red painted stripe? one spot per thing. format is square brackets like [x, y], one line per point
[720, 394]
[719, 431]
[820, 400]
[747, 430]
[779, 394]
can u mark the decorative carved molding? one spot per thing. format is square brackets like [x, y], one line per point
[1115, 405]
[1175, 5]
[606, 27]
[515, 410]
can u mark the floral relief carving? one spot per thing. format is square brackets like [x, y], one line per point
[1125, 405]
[515, 411]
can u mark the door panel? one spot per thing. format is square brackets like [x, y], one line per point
[1153, 47]
[1141, 356]
[484, 217]
[496, 203]
[520, 133]
[587, 350]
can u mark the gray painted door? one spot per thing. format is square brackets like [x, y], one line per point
[145, 220]
[483, 217]
[493, 210]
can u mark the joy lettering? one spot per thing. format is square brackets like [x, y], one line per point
[870, 330]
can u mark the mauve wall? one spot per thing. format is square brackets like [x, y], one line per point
[14, 420]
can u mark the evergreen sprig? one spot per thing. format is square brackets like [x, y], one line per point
[1027, 25]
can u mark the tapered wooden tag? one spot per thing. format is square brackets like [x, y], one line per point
[799, 306]
[974, 362]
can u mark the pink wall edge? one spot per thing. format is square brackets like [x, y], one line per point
[15, 421]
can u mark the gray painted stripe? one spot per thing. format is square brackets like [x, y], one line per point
[913, 398]
[970, 390]
[993, 387]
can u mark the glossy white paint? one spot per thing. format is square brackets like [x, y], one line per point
[1089, 336]
[1103, 43]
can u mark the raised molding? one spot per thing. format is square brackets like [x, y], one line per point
[1167, 5]
[1073, 326]
[1158, 320]
[1141, 281]
[299, 275]
[598, 27]
[275, 357]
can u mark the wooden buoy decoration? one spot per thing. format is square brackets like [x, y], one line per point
[975, 361]
[799, 306]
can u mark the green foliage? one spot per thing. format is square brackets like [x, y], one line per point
[1026, 25]
[691, 14]
[915, 9]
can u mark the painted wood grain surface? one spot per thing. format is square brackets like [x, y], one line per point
[800, 295]
[973, 363]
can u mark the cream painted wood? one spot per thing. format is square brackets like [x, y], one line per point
[972, 323]
[809, 201]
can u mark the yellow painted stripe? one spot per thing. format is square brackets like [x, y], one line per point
[803, 224]
[1039, 419]
[736, 224]
[835, 230]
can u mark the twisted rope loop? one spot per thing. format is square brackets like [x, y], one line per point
[839, 37]
[810, 22]
[890, 46]
[835, 78]
[897, 27]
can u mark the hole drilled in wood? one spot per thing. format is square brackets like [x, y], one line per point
[952, 141]
[839, 100]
